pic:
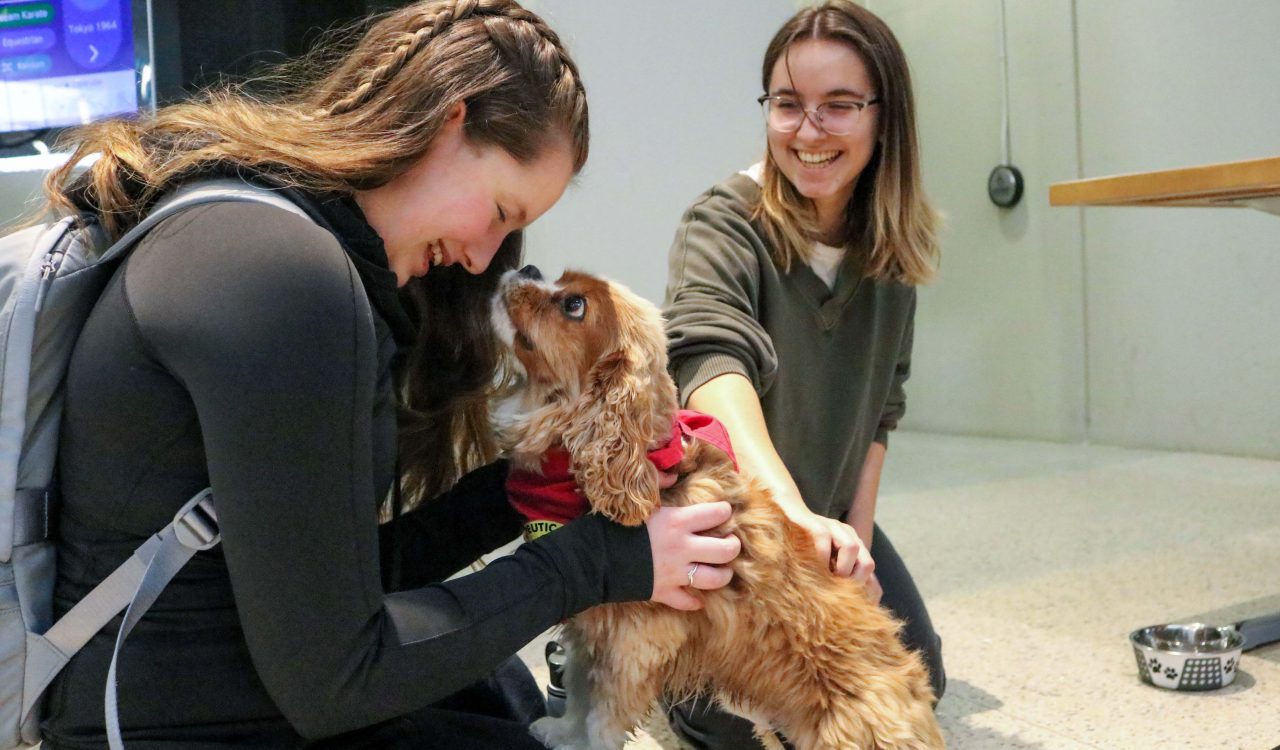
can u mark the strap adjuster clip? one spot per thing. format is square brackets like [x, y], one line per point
[196, 525]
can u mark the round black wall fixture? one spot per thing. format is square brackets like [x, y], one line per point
[1004, 186]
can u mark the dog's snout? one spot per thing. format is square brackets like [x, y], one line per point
[531, 272]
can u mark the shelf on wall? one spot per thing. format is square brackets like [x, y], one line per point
[1240, 184]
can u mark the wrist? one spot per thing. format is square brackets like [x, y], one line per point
[792, 505]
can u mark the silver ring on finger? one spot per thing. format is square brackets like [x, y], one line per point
[692, 569]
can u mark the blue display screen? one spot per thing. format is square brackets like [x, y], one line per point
[65, 62]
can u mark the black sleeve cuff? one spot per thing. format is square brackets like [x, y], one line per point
[443, 535]
[600, 562]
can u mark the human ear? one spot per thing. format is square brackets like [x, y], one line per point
[457, 113]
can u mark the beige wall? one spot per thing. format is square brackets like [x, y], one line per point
[1183, 316]
[1138, 327]
[672, 86]
[1132, 326]
[999, 336]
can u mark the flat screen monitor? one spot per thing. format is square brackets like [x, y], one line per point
[67, 62]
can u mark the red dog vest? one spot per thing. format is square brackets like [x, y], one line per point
[552, 498]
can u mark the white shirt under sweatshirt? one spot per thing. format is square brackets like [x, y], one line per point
[825, 259]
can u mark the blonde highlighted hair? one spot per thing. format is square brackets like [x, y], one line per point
[888, 219]
[353, 120]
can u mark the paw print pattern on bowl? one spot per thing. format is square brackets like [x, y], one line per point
[1187, 657]
[1144, 671]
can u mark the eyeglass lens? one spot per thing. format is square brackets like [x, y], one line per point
[837, 118]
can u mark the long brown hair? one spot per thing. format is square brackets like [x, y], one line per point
[354, 120]
[888, 219]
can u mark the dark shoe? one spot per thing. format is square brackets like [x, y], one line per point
[703, 725]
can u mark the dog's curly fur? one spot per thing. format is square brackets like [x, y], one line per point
[788, 643]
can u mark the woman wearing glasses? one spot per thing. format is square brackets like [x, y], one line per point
[791, 301]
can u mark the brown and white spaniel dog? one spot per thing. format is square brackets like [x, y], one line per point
[787, 643]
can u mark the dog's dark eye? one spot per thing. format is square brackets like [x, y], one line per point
[574, 306]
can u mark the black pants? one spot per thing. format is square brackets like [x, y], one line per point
[493, 714]
[706, 726]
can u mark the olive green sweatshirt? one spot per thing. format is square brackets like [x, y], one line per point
[829, 364]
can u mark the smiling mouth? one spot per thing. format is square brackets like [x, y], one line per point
[432, 258]
[435, 253]
[816, 159]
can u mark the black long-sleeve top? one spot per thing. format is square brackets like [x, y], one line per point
[237, 349]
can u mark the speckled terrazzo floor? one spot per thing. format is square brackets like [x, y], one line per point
[1037, 560]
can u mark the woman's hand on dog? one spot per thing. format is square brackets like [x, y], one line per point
[677, 542]
[839, 542]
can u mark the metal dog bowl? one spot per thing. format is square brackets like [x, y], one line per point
[1187, 657]
[1196, 656]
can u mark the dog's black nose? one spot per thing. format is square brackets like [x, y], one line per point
[531, 272]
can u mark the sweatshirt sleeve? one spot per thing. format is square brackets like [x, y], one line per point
[713, 297]
[260, 316]
[895, 405]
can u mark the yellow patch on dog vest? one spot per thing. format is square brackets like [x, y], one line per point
[535, 529]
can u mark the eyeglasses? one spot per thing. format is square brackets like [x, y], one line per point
[786, 115]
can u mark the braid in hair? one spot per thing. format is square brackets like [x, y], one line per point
[522, 50]
[551, 44]
[537, 56]
[435, 22]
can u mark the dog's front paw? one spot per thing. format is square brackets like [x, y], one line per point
[606, 731]
[554, 732]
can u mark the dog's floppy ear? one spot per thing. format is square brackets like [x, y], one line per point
[609, 437]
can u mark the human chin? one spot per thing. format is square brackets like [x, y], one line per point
[403, 274]
[407, 264]
[815, 181]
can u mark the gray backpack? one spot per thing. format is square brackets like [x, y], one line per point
[50, 277]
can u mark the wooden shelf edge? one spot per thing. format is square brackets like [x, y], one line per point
[1205, 185]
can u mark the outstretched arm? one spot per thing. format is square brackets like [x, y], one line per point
[732, 399]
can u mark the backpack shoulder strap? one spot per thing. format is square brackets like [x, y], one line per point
[137, 583]
[195, 528]
[195, 194]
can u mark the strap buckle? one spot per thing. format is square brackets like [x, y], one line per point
[196, 525]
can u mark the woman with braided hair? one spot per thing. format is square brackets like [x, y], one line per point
[313, 371]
